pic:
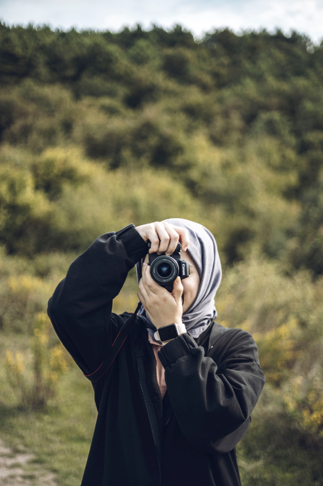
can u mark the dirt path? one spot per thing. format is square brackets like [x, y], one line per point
[17, 468]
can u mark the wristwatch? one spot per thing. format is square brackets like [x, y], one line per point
[169, 332]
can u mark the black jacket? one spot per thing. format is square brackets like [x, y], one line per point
[213, 382]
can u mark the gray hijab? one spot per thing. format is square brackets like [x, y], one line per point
[204, 253]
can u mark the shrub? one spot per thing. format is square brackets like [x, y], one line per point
[36, 385]
[56, 168]
[303, 398]
[24, 212]
[21, 297]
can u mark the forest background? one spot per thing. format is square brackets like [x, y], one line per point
[101, 129]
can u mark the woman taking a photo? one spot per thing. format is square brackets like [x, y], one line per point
[173, 388]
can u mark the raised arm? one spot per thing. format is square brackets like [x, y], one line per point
[80, 308]
[213, 396]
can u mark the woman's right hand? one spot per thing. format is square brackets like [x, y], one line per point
[163, 237]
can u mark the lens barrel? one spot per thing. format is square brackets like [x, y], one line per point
[164, 270]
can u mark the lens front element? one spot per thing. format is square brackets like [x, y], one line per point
[164, 270]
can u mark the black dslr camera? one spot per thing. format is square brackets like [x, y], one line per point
[165, 269]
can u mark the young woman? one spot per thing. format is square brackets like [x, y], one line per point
[171, 412]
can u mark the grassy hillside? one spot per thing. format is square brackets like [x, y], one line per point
[98, 130]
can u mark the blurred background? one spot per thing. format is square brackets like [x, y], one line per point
[184, 114]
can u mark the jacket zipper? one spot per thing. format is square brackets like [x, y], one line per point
[168, 420]
[141, 372]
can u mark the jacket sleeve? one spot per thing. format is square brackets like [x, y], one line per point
[80, 308]
[212, 403]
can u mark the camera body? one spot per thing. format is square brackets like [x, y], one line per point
[165, 269]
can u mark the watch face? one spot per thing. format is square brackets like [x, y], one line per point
[167, 332]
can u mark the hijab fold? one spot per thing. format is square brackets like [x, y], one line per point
[204, 253]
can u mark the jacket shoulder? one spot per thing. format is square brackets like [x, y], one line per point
[225, 342]
[228, 333]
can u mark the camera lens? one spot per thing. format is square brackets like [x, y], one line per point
[164, 270]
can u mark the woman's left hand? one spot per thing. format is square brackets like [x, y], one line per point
[163, 308]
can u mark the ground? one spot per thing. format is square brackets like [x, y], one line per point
[19, 468]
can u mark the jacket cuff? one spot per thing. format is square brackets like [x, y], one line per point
[135, 246]
[176, 349]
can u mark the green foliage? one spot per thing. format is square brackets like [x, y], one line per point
[21, 297]
[305, 249]
[55, 169]
[275, 451]
[61, 200]
[110, 201]
[285, 317]
[138, 99]
[24, 211]
[47, 366]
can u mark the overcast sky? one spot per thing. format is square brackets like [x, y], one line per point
[305, 16]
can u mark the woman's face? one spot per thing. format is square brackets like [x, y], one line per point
[190, 284]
